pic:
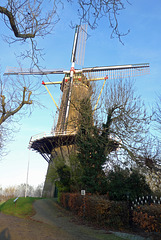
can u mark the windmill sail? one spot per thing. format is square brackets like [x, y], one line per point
[116, 72]
[82, 38]
[79, 41]
[30, 71]
[92, 73]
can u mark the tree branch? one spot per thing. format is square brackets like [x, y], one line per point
[13, 24]
[3, 105]
[7, 114]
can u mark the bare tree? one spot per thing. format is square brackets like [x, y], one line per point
[38, 190]
[126, 118]
[15, 104]
[157, 113]
[151, 153]
[19, 191]
[30, 19]
[16, 99]
[91, 11]
[150, 162]
[27, 19]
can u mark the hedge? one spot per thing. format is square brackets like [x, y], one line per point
[97, 209]
[148, 217]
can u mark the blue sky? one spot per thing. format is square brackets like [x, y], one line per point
[141, 45]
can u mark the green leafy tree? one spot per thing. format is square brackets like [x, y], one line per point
[123, 184]
[66, 174]
[93, 145]
[64, 178]
[75, 173]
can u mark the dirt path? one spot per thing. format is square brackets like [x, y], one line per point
[59, 219]
[51, 222]
[13, 228]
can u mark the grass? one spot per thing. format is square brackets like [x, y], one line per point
[23, 207]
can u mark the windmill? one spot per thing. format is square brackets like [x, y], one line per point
[61, 141]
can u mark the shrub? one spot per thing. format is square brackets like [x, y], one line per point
[97, 210]
[123, 183]
[148, 217]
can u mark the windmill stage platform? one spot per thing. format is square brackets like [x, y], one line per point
[45, 143]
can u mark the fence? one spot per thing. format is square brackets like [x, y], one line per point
[145, 213]
[145, 200]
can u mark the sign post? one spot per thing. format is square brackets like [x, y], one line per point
[15, 201]
[83, 193]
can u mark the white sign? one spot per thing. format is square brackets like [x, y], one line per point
[15, 199]
[83, 192]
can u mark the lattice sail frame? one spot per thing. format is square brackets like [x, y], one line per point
[94, 73]
[80, 53]
[116, 72]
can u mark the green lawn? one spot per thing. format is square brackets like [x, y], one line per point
[23, 207]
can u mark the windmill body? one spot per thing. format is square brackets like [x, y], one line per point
[75, 86]
[80, 89]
